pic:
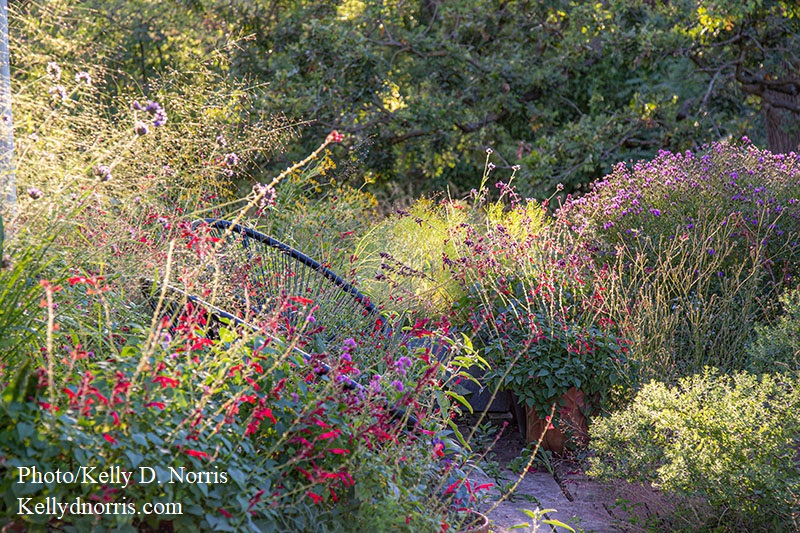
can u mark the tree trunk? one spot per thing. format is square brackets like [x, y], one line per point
[8, 188]
[783, 125]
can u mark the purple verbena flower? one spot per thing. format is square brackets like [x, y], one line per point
[103, 172]
[35, 193]
[402, 365]
[54, 71]
[349, 344]
[140, 128]
[83, 77]
[231, 160]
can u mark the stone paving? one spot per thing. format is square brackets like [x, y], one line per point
[583, 504]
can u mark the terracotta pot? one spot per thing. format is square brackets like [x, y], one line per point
[571, 419]
[477, 523]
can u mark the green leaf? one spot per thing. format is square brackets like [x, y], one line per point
[136, 459]
[238, 476]
[460, 399]
[226, 335]
[558, 523]
[458, 434]
[25, 430]
[139, 439]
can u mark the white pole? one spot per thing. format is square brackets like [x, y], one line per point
[8, 188]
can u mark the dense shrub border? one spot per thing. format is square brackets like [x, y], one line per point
[729, 439]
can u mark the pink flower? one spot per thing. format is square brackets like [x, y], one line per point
[334, 137]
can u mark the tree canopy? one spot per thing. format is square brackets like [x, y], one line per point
[564, 89]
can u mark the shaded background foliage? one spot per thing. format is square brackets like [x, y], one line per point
[564, 89]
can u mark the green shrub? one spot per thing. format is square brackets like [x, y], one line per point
[730, 441]
[778, 345]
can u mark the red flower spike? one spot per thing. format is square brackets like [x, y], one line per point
[47, 407]
[339, 451]
[196, 453]
[165, 381]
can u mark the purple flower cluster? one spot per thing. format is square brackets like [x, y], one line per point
[402, 365]
[103, 172]
[155, 112]
[672, 194]
[267, 196]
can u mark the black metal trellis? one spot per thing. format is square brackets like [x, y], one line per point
[259, 276]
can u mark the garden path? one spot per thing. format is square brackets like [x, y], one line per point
[582, 503]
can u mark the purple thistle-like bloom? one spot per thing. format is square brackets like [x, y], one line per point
[83, 77]
[140, 128]
[35, 193]
[54, 71]
[161, 119]
[231, 160]
[159, 115]
[58, 91]
[398, 385]
[655, 212]
[711, 251]
[103, 172]
[349, 344]
[222, 141]
[136, 106]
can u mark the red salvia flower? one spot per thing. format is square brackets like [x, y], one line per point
[196, 453]
[339, 451]
[165, 381]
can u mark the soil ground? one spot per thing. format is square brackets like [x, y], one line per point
[559, 486]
